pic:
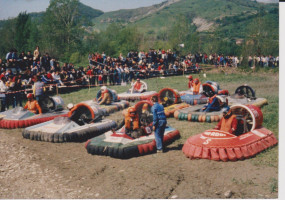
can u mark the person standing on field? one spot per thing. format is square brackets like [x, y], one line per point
[159, 123]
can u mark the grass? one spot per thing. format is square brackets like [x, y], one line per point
[265, 84]
[273, 185]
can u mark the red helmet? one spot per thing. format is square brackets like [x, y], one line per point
[190, 77]
[196, 80]
[132, 112]
[30, 96]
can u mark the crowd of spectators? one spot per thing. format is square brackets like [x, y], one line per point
[29, 70]
[263, 61]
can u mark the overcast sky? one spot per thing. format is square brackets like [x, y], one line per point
[11, 8]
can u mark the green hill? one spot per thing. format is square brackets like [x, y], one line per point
[87, 12]
[207, 15]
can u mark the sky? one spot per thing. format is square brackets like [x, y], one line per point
[11, 8]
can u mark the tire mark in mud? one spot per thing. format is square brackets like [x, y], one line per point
[99, 172]
[179, 180]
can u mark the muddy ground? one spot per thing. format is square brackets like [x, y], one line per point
[32, 169]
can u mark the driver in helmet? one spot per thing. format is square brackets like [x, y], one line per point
[215, 103]
[105, 97]
[190, 82]
[229, 122]
[132, 123]
[166, 102]
[32, 105]
[197, 87]
[146, 117]
[138, 88]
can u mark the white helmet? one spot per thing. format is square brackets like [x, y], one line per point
[70, 106]
[222, 99]
[103, 88]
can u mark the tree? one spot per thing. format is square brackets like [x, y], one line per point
[35, 37]
[62, 32]
[128, 39]
[183, 32]
[7, 33]
[23, 28]
[263, 37]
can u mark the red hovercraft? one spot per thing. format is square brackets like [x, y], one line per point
[18, 117]
[250, 138]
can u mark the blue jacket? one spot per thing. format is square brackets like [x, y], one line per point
[158, 113]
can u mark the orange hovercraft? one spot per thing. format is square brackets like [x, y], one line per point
[250, 138]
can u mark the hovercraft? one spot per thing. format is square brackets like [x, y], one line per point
[245, 95]
[250, 138]
[116, 104]
[141, 95]
[210, 88]
[171, 101]
[195, 113]
[118, 144]
[84, 121]
[18, 117]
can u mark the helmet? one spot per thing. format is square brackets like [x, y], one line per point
[103, 88]
[196, 80]
[70, 106]
[132, 112]
[190, 77]
[226, 109]
[30, 96]
[222, 99]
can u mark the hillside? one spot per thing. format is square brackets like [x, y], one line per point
[126, 16]
[207, 15]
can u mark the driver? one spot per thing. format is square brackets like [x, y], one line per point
[145, 116]
[213, 104]
[105, 96]
[132, 123]
[190, 82]
[138, 86]
[228, 123]
[32, 105]
[197, 87]
[166, 102]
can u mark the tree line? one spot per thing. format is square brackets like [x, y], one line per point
[64, 34]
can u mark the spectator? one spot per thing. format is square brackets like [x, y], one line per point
[17, 89]
[38, 88]
[46, 62]
[159, 123]
[3, 90]
[37, 54]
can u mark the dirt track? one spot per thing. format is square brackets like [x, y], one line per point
[31, 169]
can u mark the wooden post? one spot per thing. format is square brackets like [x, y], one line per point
[56, 89]
[89, 83]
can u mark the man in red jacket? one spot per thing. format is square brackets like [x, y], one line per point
[190, 82]
[138, 86]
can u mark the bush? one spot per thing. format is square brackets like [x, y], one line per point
[75, 58]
